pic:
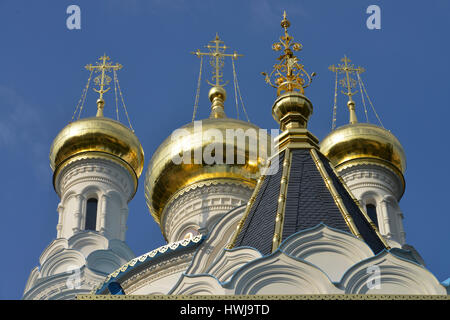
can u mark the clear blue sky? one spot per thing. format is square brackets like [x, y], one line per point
[42, 76]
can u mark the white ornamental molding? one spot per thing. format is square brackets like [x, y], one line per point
[279, 273]
[198, 285]
[227, 185]
[218, 239]
[158, 272]
[189, 209]
[229, 261]
[98, 170]
[331, 250]
[196, 192]
[148, 257]
[387, 273]
[365, 175]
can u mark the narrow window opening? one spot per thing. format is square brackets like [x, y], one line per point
[91, 214]
[372, 213]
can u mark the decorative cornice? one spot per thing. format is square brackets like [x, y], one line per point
[351, 165]
[213, 188]
[373, 172]
[202, 184]
[370, 185]
[157, 271]
[213, 211]
[65, 177]
[224, 188]
[149, 255]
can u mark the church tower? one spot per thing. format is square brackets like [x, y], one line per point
[306, 190]
[370, 159]
[207, 167]
[96, 163]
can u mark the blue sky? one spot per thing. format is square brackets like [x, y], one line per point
[42, 76]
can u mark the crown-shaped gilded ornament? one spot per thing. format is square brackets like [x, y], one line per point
[289, 74]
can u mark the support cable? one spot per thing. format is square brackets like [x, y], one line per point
[82, 98]
[115, 93]
[362, 97]
[239, 91]
[333, 122]
[123, 103]
[197, 95]
[368, 99]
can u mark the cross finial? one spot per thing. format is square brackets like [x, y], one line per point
[217, 53]
[102, 80]
[348, 83]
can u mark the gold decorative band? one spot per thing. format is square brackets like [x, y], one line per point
[279, 219]
[267, 297]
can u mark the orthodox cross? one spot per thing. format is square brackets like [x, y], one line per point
[103, 79]
[349, 83]
[217, 53]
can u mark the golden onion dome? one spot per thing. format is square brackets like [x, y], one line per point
[360, 143]
[166, 176]
[97, 137]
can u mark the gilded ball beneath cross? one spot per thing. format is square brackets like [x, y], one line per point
[217, 91]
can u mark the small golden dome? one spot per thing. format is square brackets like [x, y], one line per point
[97, 137]
[364, 143]
[165, 176]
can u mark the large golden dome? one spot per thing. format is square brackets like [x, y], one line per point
[165, 177]
[364, 143]
[97, 137]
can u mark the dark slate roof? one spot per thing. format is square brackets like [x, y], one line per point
[258, 228]
[309, 202]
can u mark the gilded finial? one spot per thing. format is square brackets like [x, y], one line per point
[289, 75]
[217, 94]
[348, 83]
[102, 80]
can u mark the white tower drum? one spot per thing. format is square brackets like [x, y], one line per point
[371, 161]
[369, 158]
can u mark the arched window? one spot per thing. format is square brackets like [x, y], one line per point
[372, 213]
[91, 214]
